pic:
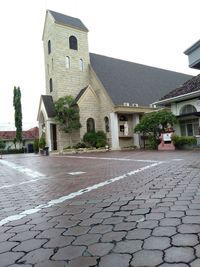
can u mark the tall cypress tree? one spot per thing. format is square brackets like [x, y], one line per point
[18, 113]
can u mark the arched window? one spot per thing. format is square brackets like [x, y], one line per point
[52, 64]
[107, 128]
[49, 47]
[90, 125]
[73, 44]
[67, 62]
[187, 109]
[81, 64]
[51, 85]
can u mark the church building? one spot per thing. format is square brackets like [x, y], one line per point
[111, 94]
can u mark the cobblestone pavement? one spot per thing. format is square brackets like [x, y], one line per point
[112, 209]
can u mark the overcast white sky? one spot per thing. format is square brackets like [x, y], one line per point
[150, 32]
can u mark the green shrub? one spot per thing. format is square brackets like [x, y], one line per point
[13, 151]
[90, 138]
[80, 145]
[95, 139]
[152, 142]
[101, 139]
[68, 147]
[2, 144]
[42, 142]
[36, 145]
[180, 141]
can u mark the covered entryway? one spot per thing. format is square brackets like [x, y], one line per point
[53, 136]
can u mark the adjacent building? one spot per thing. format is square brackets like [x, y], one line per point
[28, 137]
[111, 94]
[184, 100]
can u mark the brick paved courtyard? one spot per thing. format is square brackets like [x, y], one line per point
[112, 209]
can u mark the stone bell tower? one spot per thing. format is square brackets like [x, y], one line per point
[66, 55]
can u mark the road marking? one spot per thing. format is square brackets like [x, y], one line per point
[22, 183]
[74, 194]
[22, 169]
[76, 173]
[105, 158]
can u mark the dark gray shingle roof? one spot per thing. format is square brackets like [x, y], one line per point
[80, 94]
[134, 83]
[189, 86]
[67, 20]
[49, 105]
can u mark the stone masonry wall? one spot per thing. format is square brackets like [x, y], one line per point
[66, 81]
[105, 103]
[63, 139]
[89, 108]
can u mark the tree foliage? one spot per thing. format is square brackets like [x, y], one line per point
[2, 144]
[67, 114]
[18, 112]
[155, 122]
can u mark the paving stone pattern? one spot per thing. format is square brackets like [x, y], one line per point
[149, 219]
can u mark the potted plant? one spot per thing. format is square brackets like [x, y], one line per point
[42, 144]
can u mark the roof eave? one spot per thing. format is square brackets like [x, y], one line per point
[178, 98]
[192, 48]
[194, 65]
[136, 110]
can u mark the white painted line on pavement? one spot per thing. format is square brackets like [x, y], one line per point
[26, 182]
[103, 158]
[22, 169]
[74, 194]
[76, 173]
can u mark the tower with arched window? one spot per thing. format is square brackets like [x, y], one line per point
[66, 56]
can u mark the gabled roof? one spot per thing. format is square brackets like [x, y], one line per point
[134, 83]
[80, 94]
[49, 105]
[26, 135]
[67, 20]
[190, 86]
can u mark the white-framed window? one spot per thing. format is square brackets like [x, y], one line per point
[81, 64]
[187, 109]
[189, 127]
[67, 62]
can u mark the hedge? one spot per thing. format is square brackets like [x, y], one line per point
[180, 141]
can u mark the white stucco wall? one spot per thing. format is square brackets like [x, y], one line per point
[176, 107]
